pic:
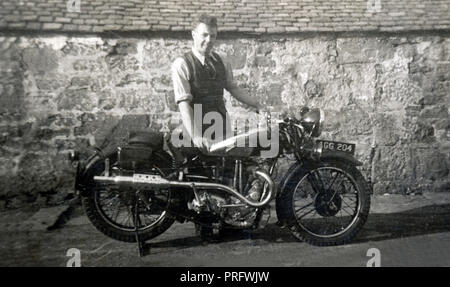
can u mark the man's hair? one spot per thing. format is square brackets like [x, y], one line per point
[205, 19]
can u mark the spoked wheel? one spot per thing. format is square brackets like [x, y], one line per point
[111, 210]
[117, 207]
[326, 204]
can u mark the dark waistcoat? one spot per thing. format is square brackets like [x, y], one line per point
[207, 83]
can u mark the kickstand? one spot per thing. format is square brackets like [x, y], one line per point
[141, 244]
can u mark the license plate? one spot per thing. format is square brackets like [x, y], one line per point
[337, 146]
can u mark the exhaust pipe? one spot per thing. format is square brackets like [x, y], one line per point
[156, 181]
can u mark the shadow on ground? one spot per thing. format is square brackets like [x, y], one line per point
[379, 226]
[418, 221]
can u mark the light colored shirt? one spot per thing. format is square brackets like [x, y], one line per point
[181, 77]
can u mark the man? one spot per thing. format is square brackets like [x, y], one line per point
[199, 77]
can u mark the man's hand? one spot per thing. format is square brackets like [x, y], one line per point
[202, 143]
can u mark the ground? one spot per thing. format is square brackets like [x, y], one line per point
[409, 230]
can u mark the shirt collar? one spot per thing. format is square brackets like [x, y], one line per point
[199, 56]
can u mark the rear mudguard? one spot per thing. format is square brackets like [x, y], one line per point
[87, 169]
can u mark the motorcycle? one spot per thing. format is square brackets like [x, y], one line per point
[136, 191]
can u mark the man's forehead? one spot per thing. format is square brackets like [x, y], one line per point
[203, 28]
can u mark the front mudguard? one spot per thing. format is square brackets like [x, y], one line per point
[345, 157]
[342, 156]
[294, 169]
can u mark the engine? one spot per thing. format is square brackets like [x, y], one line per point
[231, 210]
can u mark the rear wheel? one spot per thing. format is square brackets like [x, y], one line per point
[326, 203]
[111, 209]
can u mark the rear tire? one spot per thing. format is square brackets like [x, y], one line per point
[320, 208]
[97, 214]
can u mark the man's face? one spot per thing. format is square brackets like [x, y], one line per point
[204, 37]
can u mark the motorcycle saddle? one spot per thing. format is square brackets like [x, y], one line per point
[146, 138]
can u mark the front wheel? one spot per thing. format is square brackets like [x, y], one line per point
[326, 203]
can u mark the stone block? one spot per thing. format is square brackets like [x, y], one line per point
[272, 94]
[87, 65]
[70, 27]
[58, 120]
[12, 97]
[276, 29]
[292, 29]
[16, 25]
[47, 134]
[125, 48]
[443, 72]
[313, 89]
[433, 99]
[76, 99]
[33, 26]
[52, 26]
[434, 112]
[387, 129]
[393, 163]
[262, 61]
[86, 28]
[36, 174]
[40, 60]
[443, 124]
[355, 51]
[431, 164]
[45, 19]
[237, 57]
[80, 82]
[107, 100]
[63, 20]
[420, 132]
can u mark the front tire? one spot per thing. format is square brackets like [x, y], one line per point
[325, 203]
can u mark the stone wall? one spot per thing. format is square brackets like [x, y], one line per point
[390, 94]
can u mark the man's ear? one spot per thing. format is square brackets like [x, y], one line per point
[192, 33]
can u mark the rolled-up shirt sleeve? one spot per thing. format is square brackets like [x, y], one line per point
[180, 79]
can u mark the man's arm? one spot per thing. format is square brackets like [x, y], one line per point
[183, 97]
[242, 96]
[237, 92]
[187, 115]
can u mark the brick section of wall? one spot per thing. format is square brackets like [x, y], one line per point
[248, 16]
